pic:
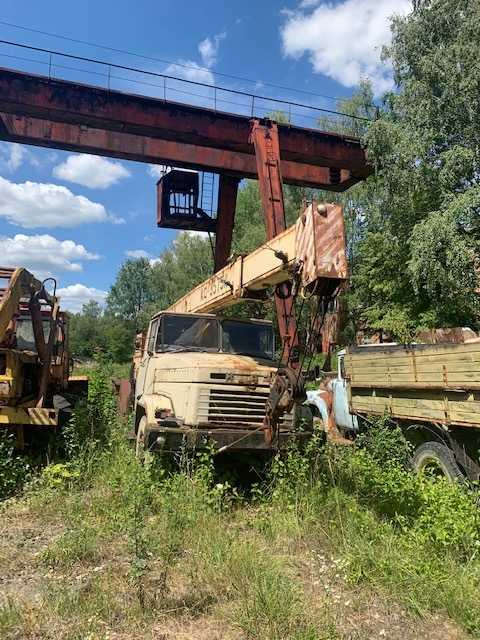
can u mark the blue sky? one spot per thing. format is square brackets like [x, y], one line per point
[79, 217]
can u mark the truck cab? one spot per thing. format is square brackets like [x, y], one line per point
[203, 379]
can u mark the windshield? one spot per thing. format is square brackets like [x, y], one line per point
[25, 335]
[194, 333]
[248, 338]
[182, 333]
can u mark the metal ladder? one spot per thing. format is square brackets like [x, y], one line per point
[208, 193]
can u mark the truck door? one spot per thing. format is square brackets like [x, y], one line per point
[147, 353]
[343, 418]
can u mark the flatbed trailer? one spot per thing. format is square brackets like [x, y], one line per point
[431, 391]
[437, 382]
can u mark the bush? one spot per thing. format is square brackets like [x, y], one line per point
[94, 416]
[14, 469]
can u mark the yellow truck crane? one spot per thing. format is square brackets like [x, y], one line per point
[206, 379]
[34, 355]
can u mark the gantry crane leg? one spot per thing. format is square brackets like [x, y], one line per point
[227, 200]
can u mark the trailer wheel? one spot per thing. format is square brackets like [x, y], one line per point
[438, 459]
[140, 441]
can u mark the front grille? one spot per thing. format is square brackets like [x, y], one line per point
[236, 407]
[232, 406]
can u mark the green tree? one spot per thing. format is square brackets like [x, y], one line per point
[86, 329]
[181, 266]
[131, 292]
[425, 147]
[249, 232]
[279, 115]
[354, 114]
[117, 339]
[140, 289]
[192, 262]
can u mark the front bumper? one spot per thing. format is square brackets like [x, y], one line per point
[31, 416]
[188, 439]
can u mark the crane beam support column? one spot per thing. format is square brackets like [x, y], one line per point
[267, 152]
[227, 200]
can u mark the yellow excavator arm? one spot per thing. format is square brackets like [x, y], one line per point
[20, 285]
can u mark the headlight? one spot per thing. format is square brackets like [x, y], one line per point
[4, 388]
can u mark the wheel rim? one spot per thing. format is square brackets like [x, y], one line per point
[435, 468]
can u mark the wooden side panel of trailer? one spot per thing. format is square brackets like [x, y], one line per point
[436, 383]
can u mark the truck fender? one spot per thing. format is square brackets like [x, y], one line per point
[322, 401]
[149, 405]
[316, 399]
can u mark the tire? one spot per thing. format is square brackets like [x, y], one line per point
[131, 377]
[439, 460]
[140, 440]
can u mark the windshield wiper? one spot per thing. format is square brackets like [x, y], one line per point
[176, 348]
[253, 354]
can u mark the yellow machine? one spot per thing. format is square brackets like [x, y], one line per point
[34, 354]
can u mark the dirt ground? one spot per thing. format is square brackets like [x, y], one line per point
[28, 587]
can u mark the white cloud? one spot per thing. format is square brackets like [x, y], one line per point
[343, 40]
[51, 157]
[13, 155]
[156, 170]
[209, 48]
[308, 4]
[33, 204]
[200, 234]
[190, 71]
[115, 220]
[73, 297]
[91, 171]
[137, 253]
[44, 255]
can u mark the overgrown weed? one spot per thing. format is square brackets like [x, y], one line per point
[14, 468]
[411, 537]
[161, 542]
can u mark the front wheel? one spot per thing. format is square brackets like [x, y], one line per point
[439, 460]
[140, 441]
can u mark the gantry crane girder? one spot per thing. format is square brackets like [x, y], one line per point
[42, 111]
[47, 112]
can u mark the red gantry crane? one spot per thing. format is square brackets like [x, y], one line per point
[48, 112]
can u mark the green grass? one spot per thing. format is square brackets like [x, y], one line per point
[140, 549]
